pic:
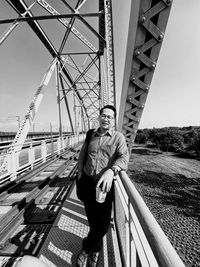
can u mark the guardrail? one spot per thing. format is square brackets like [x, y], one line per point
[32, 154]
[141, 239]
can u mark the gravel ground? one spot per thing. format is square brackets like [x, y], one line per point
[170, 186]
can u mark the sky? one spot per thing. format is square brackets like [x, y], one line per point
[173, 99]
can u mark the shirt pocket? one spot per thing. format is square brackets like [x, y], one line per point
[109, 150]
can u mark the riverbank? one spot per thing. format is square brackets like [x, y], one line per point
[170, 186]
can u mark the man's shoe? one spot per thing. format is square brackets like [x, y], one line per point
[93, 259]
[82, 259]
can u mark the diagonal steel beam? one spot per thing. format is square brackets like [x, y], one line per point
[21, 8]
[69, 28]
[85, 22]
[86, 69]
[49, 17]
[65, 22]
[79, 70]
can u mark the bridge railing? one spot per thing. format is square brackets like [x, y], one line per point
[32, 154]
[141, 240]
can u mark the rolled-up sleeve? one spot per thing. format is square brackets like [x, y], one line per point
[122, 154]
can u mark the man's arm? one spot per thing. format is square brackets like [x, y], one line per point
[122, 157]
[81, 159]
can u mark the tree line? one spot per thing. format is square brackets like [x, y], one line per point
[185, 140]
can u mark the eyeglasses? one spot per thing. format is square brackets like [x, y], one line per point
[104, 116]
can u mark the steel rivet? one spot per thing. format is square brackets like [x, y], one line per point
[137, 52]
[142, 19]
[160, 37]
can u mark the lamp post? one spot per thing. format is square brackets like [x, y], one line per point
[17, 118]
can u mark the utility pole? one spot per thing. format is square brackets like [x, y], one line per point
[18, 120]
[51, 129]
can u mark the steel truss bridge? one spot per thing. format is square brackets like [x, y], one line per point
[83, 60]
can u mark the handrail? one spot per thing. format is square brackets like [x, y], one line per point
[16, 162]
[31, 142]
[162, 249]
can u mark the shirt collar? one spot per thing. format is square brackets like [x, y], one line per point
[109, 132]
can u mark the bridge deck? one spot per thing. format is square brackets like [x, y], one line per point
[63, 242]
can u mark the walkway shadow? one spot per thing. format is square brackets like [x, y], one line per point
[177, 190]
[63, 243]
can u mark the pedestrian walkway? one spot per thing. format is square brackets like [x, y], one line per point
[63, 242]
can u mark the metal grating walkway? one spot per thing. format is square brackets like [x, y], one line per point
[63, 242]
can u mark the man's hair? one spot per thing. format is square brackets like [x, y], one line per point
[110, 107]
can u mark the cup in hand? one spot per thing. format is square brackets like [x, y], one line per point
[100, 195]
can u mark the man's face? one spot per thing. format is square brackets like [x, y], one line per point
[106, 119]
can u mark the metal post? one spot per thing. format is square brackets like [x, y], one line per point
[44, 151]
[31, 156]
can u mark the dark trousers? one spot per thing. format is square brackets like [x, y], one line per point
[99, 217]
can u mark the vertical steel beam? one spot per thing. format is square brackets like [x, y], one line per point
[58, 99]
[110, 52]
[107, 54]
[148, 20]
[66, 103]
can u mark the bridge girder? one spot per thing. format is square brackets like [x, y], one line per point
[148, 21]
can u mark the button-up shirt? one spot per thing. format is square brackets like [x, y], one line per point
[103, 152]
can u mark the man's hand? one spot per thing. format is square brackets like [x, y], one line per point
[105, 182]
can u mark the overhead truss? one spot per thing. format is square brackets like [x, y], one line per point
[80, 54]
[85, 59]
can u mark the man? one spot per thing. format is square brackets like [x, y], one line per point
[99, 161]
